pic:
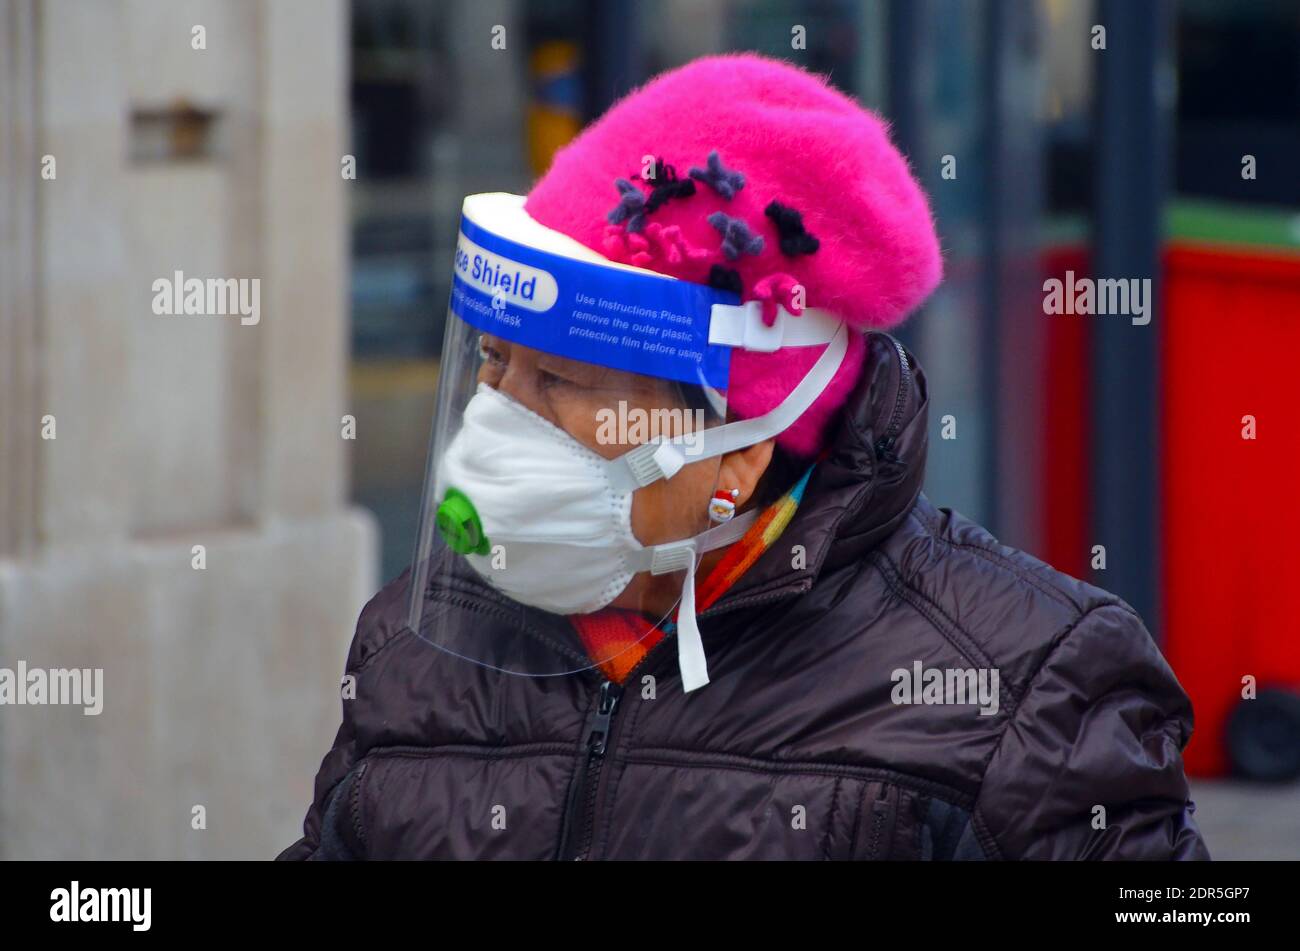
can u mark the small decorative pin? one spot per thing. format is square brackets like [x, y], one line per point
[775, 290]
[726, 279]
[722, 507]
[631, 206]
[722, 180]
[737, 239]
[794, 239]
[667, 185]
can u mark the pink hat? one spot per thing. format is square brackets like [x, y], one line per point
[765, 178]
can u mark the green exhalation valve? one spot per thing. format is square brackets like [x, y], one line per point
[458, 524]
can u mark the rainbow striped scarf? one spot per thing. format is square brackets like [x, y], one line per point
[617, 640]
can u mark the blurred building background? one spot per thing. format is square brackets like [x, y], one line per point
[221, 684]
[1043, 152]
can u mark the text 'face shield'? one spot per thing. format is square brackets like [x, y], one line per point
[565, 492]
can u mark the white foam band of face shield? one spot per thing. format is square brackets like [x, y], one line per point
[662, 459]
[742, 325]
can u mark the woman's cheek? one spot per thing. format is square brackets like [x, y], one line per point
[676, 508]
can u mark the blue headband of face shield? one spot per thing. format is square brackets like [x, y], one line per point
[579, 305]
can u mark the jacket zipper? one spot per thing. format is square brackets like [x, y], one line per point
[582, 794]
[881, 831]
[885, 444]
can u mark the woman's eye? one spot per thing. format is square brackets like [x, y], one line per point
[489, 353]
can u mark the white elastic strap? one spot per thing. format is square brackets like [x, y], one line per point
[742, 325]
[661, 459]
[724, 533]
[675, 556]
[680, 556]
[747, 432]
[690, 646]
[691, 662]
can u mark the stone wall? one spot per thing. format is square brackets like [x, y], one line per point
[220, 683]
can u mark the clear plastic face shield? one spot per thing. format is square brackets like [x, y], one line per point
[573, 469]
[561, 375]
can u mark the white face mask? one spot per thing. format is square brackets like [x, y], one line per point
[566, 535]
[564, 529]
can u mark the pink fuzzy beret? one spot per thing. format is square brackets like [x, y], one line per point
[733, 135]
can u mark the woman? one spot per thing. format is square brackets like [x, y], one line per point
[689, 601]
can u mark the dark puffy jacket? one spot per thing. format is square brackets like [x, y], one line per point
[797, 748]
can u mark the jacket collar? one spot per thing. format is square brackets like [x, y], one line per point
[862, 490]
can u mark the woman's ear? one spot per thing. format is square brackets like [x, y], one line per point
[744, 468]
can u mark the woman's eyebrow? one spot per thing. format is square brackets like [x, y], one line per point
[588, 373]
